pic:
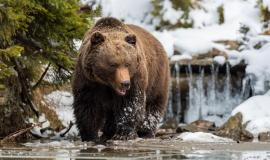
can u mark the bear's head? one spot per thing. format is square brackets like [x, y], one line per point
[111, 59]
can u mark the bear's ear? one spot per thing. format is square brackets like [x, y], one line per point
[131, 39]
[97, 38]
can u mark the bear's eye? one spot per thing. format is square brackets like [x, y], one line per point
[127, 65]
[131, 39]
[113, 65]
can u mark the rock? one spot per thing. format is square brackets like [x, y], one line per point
[267, 32]
[194, 61]
[162, 132]
[264, 137]
[234, 129]
[197, 126]
[231, 45]
[170, 124]
[204, 124]
[187, 128]
[211, 54]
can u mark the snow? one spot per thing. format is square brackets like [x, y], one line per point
[256, 113]
[167, 40]
[180, 57]
[266, 3]
[258, 64]
[63, 101]
[169, 13]
[201, 38]
[220, 60]
[202, 137]
[131, 11]
[206, 14]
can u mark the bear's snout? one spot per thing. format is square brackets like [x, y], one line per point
[125, 84]
[122, 79]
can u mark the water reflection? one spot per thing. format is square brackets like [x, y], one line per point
[126, 153]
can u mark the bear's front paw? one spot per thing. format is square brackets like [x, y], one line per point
[146, 134]
[125, 136]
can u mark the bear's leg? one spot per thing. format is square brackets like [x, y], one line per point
[109, 127]
[129, 115]
[154, 112]
[88, 120]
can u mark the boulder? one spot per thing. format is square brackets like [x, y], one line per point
[234, 129]
[264, 136]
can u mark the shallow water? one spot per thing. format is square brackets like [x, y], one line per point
[141, 149]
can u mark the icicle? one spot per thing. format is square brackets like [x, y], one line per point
[228, 83]
[201, 94]
[189, 112]
[178, 87]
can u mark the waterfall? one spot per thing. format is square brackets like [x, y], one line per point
[209, 96]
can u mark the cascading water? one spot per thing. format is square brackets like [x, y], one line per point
[210, 95]
[175, 103]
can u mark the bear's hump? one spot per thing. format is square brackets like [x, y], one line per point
[109, 23]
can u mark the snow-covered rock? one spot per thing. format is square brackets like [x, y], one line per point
[220, 60]
[202, 137]
[180, 57]
[256, 113]
[258, 64]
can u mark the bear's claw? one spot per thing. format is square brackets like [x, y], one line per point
[129, 136]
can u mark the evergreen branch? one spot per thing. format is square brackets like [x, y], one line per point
[28, 42]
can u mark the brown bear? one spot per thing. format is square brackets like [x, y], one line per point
[120, 83]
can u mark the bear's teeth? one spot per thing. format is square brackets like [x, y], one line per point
[121, 91]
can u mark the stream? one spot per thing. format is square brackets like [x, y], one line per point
[136, 149]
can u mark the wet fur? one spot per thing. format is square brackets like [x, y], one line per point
[98, 107]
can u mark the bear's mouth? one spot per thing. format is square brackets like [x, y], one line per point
[121, 91]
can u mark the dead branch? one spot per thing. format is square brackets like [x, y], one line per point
[68, 129]
[11, 137]
[42, 76]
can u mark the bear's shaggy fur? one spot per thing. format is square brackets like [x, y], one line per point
[121, 82]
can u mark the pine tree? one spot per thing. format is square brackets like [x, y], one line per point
[35, 35]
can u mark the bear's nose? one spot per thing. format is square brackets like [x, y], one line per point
[125, 84]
